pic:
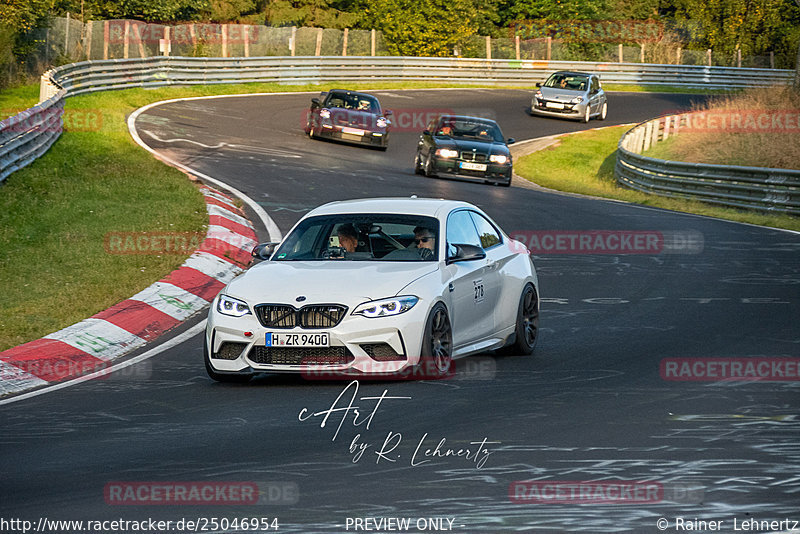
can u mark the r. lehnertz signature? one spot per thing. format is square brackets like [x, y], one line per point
[476, 452]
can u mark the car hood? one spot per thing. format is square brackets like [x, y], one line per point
[353, 118]
[344, 282]
[466, 145]
[560, 95]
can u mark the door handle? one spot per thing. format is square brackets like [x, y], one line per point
[451, 287]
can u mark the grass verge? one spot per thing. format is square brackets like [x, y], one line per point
[17, 99]
[584, 163]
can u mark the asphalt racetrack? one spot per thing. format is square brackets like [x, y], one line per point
[594, 403]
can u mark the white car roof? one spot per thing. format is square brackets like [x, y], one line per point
[432, 207]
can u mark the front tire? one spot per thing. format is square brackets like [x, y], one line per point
[526, 331]
[429, 172]
[418, 164]
[587, 115]
[436, 356]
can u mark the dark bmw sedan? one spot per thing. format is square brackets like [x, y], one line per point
[349, 116]
[465, 147]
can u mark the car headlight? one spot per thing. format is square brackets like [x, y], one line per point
[386, 307]
[498, 158]
[325, 113]
[447, 153]
[382, 122]
[231, 306]
[576, 100]
[538, 94]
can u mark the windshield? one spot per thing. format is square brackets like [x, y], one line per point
[362, 237]
[571, 82]
[352, 101]
[469, 129]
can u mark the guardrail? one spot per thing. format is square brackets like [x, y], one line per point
[27, 135]
[757, 188]
[112, 74]
[88, 76]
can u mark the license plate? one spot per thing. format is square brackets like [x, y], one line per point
[473, 166]
[554, 105]
[281, 339]
[353, 131]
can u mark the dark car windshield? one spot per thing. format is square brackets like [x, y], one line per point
[473, 129]
[352, 101]
[571, 82]
[362, 237]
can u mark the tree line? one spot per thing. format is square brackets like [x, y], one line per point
[438, 27]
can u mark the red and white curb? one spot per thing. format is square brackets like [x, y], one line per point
[93, 343]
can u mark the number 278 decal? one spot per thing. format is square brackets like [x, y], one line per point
[478, 284]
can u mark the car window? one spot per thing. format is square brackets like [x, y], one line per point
[595, 84]
[461, 231]
[487, 233]
[362, 237]
[334, 100]
[471, 129]
[570, 82]
[353, 101]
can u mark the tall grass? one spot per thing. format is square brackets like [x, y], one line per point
[757, 127]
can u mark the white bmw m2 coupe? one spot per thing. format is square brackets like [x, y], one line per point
[376, 287]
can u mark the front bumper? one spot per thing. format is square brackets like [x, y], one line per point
[570, 111]
[450, 167]
[358, 345]
[369, 138]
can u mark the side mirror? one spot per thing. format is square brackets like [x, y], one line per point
[511, 141]
[315, 102]
[426, 132]
[263, 251]
[388, 113]
[466, 253]
[538, 84]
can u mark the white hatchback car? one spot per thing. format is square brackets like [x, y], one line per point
[376, 287]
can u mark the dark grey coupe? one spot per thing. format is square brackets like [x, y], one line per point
[465, 147]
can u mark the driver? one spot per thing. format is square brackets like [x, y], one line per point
[348, 237]
[363, 105]
[425, 240]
